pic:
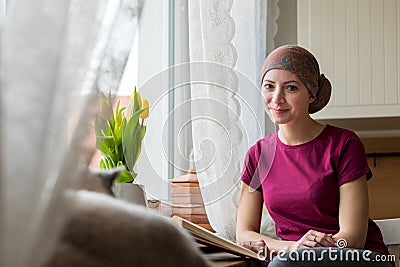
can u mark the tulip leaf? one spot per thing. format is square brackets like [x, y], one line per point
[125, 177]
[132, 140]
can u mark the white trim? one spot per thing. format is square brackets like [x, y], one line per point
[367, 111]
[152, 82]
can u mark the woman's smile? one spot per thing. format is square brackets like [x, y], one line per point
[278, 111]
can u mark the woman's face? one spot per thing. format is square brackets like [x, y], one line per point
[286, 99]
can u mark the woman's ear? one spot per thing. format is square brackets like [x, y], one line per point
[311, 99]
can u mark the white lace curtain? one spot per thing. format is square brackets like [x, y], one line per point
[55, 57]
[229, 39]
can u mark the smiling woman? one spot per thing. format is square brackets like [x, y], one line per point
[315, 187]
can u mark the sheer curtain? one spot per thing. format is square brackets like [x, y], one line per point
[55, 57]
[230, 39]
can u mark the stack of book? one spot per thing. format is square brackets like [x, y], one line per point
[187, 201]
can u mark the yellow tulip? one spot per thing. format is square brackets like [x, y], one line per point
[145, 114]
[133, 94]
[137, 105]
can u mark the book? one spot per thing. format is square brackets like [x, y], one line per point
[198, 210]
[187, 199]
[208, 238]
[192, 188]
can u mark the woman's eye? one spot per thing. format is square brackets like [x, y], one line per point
[291, 88]
[268, 86]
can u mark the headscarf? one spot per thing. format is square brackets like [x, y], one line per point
[302, 63]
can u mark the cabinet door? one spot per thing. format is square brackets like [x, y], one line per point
[357, 43]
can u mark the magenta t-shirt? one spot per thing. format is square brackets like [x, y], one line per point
[300, 184]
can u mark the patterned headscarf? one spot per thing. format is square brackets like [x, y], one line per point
[302, 63]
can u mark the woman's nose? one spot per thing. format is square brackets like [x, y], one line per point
[278, 96]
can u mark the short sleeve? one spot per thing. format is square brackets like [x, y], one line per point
[249, 172]
[353, 161]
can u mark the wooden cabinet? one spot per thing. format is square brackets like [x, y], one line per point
[383, 188]
[357, 43]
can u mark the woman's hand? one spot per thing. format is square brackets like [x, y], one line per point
[312, 239]
[256, 246]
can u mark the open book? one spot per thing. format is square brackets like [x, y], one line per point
[208, 238]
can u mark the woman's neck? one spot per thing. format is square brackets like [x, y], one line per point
[300, 133]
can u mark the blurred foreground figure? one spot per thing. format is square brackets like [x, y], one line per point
[104, 231]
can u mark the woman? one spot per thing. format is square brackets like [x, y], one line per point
[311, 177]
